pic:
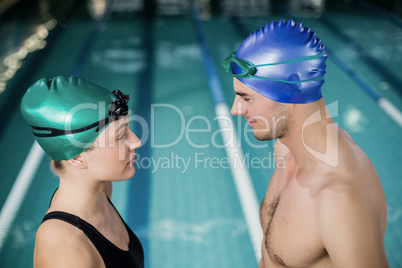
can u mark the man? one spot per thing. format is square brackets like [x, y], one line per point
[325, 206]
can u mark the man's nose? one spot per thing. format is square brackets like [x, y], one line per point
[237, 108]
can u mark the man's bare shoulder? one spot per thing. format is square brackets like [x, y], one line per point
[352, 223]
[350, 151]
[353, 169]
[350, 192]
[60, 244]
[355, 177]
[352, 210]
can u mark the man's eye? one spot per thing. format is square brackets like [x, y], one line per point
[246, 99]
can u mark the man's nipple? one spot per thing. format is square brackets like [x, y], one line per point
[278, 259]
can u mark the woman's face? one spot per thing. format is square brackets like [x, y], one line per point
[112, 158]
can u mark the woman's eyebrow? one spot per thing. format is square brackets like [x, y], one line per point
[121, 126]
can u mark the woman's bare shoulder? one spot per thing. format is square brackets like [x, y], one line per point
[60, 244]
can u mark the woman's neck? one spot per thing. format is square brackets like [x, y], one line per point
[80, 196]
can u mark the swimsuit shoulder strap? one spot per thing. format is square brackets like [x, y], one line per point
[76, 221]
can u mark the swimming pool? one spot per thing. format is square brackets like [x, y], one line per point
[183, 202]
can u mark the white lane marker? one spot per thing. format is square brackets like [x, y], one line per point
[18, 192]
[391, 110]
[242, 179]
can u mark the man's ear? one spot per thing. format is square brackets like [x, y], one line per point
[78, 162]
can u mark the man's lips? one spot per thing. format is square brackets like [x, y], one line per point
[252, 122]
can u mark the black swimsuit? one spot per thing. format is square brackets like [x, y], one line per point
[111, 255]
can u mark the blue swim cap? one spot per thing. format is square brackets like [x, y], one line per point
[283, 61]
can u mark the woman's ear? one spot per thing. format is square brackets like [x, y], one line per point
[78, 162]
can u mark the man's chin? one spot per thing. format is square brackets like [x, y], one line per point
[263, 136]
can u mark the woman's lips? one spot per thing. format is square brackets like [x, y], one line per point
[132, 161]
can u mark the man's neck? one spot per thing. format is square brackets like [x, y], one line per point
[312, 137]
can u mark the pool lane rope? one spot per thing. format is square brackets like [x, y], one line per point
[244, 186]
[388, 107]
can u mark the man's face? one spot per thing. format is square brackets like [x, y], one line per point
[269, 119]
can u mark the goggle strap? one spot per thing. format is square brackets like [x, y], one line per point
[295, 60]
[286, 81]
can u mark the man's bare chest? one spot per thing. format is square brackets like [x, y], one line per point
[291, 234]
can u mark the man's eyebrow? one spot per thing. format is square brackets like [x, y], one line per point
[241, 94]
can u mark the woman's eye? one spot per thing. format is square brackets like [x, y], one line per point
[246, 99]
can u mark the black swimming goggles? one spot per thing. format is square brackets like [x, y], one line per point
[248, 69]
[117, 110]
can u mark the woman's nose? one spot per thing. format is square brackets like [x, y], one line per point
[133, 142]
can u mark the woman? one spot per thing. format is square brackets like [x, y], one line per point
[84, 129]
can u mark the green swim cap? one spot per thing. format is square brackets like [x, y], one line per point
[67, 114]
